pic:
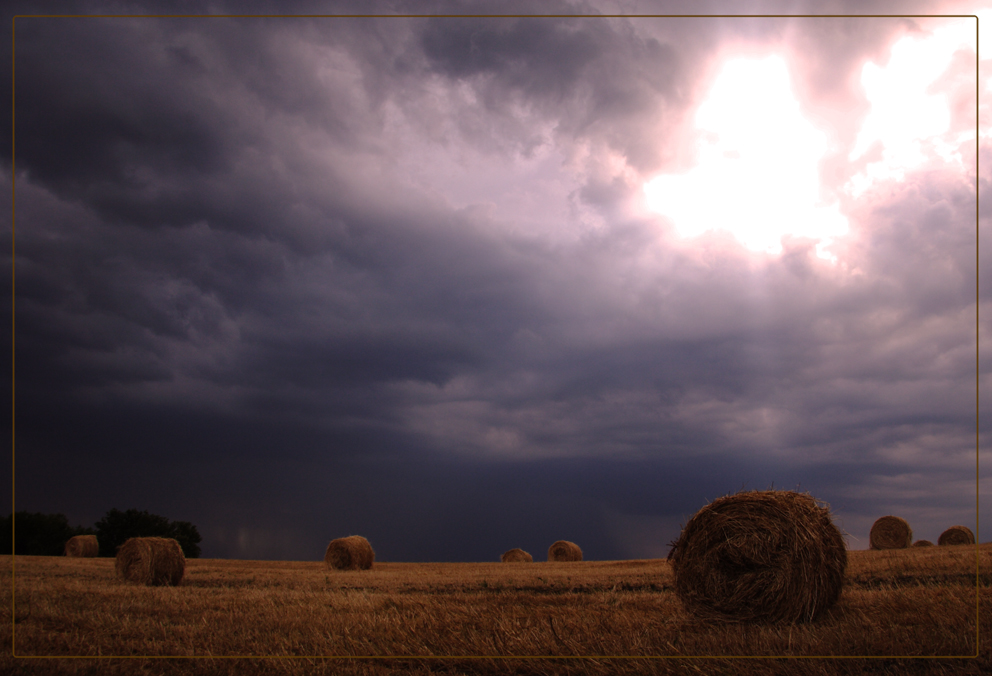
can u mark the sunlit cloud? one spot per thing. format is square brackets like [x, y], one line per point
[908, 120]
[757, 174]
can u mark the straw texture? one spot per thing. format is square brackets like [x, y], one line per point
[890, 532]
[563, 550]
[80, 546]
[516, 555]
[956, 535]
[151, 561]
[351, 553]
[771, 556]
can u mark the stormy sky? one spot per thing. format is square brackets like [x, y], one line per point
[466, 284]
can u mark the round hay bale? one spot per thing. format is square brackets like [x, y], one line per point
[890, 532]
[151, 561]
[516, 555]
[563, 550]
[923, 543]
[771, 556]
[351, 553]
[956, 535]
[82, 546]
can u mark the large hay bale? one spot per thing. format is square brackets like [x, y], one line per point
[923, 543]
[760, 555]
[151, 561]
[956, 535]
[351, 553]
[516, 555]
[82, 546]
[890, 532]
[563, 550]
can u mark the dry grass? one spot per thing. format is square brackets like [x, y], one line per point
[890, 532]
[759, 556]
[956, 535]
[563, 550]
[82, 546]
[923, 543]
[351, 553]
[516, 555]
[570, 618]
[151, 561]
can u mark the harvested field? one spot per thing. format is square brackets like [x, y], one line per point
[918, 602]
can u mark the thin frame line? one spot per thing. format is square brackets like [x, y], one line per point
[602, 16]
[494, 16]
[13, 361]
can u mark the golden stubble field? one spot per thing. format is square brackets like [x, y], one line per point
[452, 618]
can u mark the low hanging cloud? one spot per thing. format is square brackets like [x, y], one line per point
[409, 263]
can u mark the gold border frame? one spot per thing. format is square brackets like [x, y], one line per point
[487, 16]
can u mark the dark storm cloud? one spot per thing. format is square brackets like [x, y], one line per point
[85, 105]
[580, 73]
[267, 282]
[554, 60]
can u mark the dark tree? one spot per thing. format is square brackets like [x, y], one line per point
[188, 537]
[37, 534]
[116, 527]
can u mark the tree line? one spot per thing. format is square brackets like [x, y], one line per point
[30, 534]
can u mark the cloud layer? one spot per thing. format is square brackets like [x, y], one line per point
[291, 279]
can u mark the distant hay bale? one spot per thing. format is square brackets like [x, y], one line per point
[516, 555]
[151, 561]
[890, 532]
[956, 535]
[351, 553]
[923, 543]
[772, 556]
[82, 546]
[563, 550]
